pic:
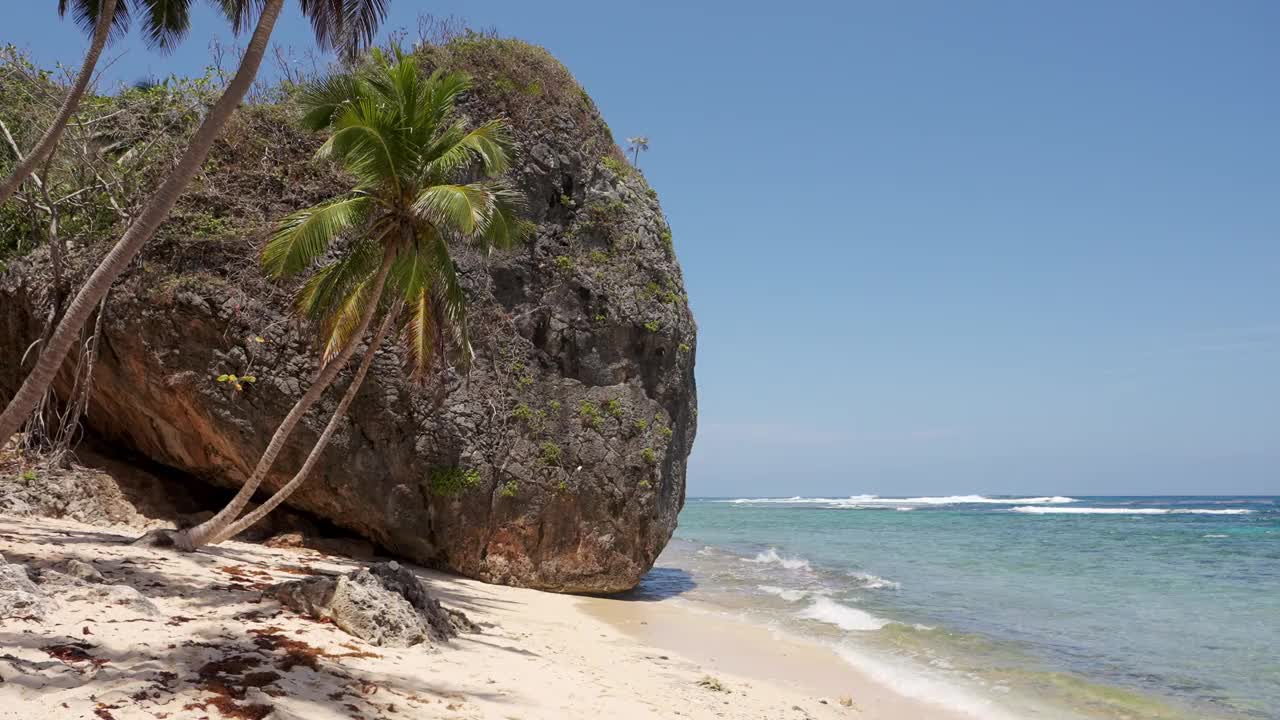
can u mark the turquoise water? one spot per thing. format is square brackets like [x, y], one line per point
[1152, 607]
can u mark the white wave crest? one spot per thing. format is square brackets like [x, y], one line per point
[842, 616]
[869, 501]
[784, 593]
[874, 582]
[1030, 510]
[772, 557]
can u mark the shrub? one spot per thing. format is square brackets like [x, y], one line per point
[522, 413]
[589, 413]
[451, 481]
[649, 455]
[550, 453]
[509, 489]
[653, 326]
[614, 407]
[564, 263]
[617, 166]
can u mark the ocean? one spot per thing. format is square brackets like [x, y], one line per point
[1140, 608]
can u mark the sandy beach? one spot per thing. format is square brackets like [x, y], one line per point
[202, 642]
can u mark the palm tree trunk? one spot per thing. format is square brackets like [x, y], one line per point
[205, 532]
[101, 31]
[283, 493]
[156, 211]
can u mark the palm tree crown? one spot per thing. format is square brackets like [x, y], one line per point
[165, 22]
[422, 180]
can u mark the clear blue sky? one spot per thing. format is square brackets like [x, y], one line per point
[941, 247]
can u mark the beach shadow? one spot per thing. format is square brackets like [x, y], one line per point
[660, 583]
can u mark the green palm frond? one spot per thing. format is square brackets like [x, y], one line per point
[85, 15]
[445, 88]
[455, 149]
[322, 99]
[421, 334]
[365, 141]
[329, 287]
[451, 300]
[458, 208]
[302, 237]
[166, 22]
[343, 320]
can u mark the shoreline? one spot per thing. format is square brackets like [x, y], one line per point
[538, 655]
[755, 653]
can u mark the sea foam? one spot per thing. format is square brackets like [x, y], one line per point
[784, 593]
[772, 557]
[842, 616]
[874, 582]
[870, 501]
[1032, 510]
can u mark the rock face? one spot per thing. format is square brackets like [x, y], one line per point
[557, 462]
[385, 605]
[19, 597]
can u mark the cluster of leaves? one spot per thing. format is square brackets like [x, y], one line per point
[237, 381]
[453, 481]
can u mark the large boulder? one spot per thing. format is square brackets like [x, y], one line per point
[557, 462]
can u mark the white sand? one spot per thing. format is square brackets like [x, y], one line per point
[540, 655]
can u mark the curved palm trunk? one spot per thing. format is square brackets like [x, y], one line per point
[283, 493]
[69, 104]
[156, 211]
[205, 532]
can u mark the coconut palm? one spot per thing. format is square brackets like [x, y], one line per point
[348, 24]
[638, 144]
[422, 181]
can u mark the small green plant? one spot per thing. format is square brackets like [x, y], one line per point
[523, 382]
[641, 424]
[450, 481]
[618, 167]
[562, 486]
[644, 484]
[590, 413]
[29, 475]
[614, 408]
[522, 413]
[651, 289]
[550, 453]
[564, 263]
[667, 241]
[554, 405]
[649, 455]
[598, 256]
[237, 382]
[509, 489]
[683, 348]
[665, 432]
[567, 201]
[653, 326]
[601, 317]
[669, 297]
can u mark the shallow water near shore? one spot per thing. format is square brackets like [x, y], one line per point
[1107, 608]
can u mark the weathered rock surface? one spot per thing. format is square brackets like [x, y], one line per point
[384, 605]
[558, 462]
[19, 596]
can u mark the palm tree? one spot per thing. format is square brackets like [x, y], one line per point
[638, 144]
[349, 24]
[166, 22]
[422, 180]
